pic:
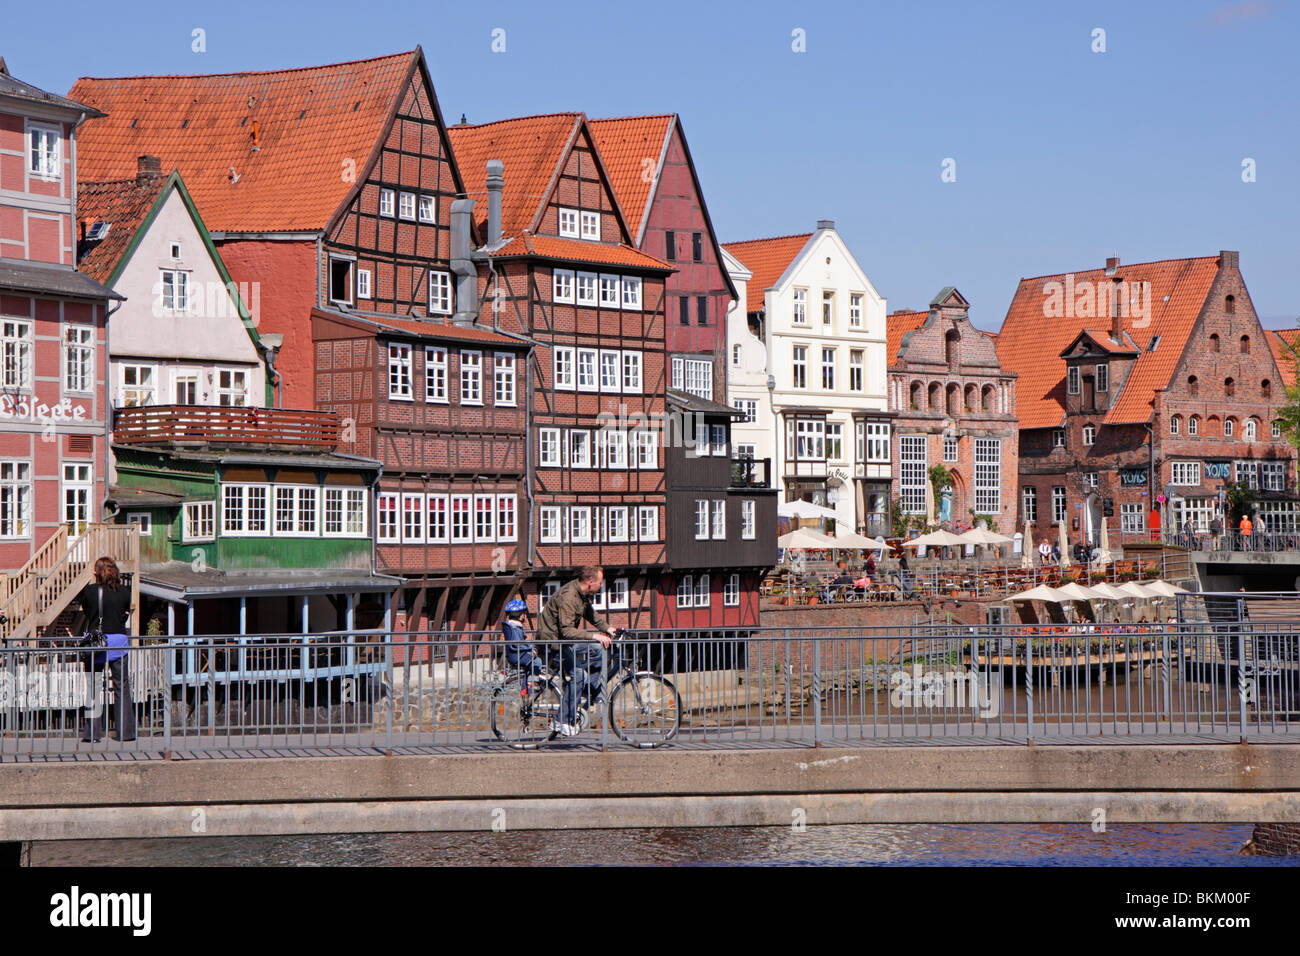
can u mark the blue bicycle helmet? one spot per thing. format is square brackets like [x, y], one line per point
[515, 606]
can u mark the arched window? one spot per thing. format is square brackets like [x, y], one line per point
[915, 397]
[1214, 341]
[1248, 430]
[1229, 305]
[936, 397]
[971, 397]
[954, 396]
[1266, 388]
[986, 398]
[1229, 427]
[1245, 345]
[1193, 426]
[1192, 385]
[951, 346]
[1174, 424]
[1229, 387]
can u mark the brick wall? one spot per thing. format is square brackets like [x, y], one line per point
[1275, 839]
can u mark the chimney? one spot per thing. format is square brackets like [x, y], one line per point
[1112, 265]
[462, 211]
[1228, 259]
[1117, 307]
[496, 182]
[147, 168]
[825, 224]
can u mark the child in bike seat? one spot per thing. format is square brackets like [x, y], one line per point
[519, 652]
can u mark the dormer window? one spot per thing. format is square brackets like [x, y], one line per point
[590, 226]
[1072, 380]
[569, 223]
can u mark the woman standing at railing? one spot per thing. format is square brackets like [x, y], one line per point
[106, 602]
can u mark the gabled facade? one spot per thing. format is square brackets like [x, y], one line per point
[564, 272]
[1171, 351]
[714, 572]
[53, 406]
[955, 406]
[823, 324]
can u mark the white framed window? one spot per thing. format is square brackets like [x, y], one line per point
[15, 499]
[731, 591]
[562, 285]
[440, 292]
[16, 343]
[1273, 474]
[1090, 480]
[435, 374]
[615, 448]
[387, 203]
[950, 448]
[363, 284]
[388, 526]
[428, 209]
[78, 489]
[718, 514]
[1186, 474]
[912, 465]
[1089, 434]
[232, 387]
[747, 519]
[1229, 426]
[702, 591]
[586, 359]
[1175, 422]
[1276, 430]
[1246, 473]
[579, 449]
[244, 509]
[79, 358]
[174, 290]
[344, 512]
[45, 153]
[1248, 430]
[198, 521]
[414, 509]
[632, 373]
[834, 441]
[549, 525]
[647, 449]
[1072, 380]
[701, 438]
[701, 519]
[1058, 437]
[548, 447]
[631, 292]
[828, 308]
[799, 366]
[437, 519]
[503, 379]
[569, 223]
[718, 440]
[590, 225]
[580, 525]
[749, 407]
[693, 375]
[647, 523]
[406, 206]
[399, 372]
[461, 530]
[549, 590]
[685, 591]
[471, 378]
[1103, 378]
[878, 442]
[828, 369]
[618, 523]
[296, 510]
[855, 370]
[586, 286]
[610, 378]
[617, 594]
[609, 291]
[1029, 503]
[809, 439]
[484, 517]
[800, 315]
[1058, 503]
[855, 310]
[1130, 518]
[563, 374]
[136, 386]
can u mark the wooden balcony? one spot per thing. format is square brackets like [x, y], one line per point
[196, 425]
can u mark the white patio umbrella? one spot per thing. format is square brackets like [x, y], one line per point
[936, 539]
[1109, 592]
[1065, 545]
[1133, 589]
[1040, 593]
[803, 538]
[850, 540]
[1105, 543]
[803, 509]
[1027, 549]
[1164, 588]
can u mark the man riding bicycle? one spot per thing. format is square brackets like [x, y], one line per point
[562, 621]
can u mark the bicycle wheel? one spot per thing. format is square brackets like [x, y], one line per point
[523, 716]
[645, 709]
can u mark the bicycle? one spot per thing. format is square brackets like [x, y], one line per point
[644, 708]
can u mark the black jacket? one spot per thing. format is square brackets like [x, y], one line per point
[116, 610]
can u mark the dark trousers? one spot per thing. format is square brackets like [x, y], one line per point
[123, 705]
[582, 666]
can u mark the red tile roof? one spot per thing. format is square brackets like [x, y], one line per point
[532, 149]
[767, 259]
[897, 325]
[625, 143]
[579, 250]
[1285, 344]
[123, 204]
[1101, 338]
[308, 122]
[430, 328]
[1030, 342]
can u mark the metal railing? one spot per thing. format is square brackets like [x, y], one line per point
[381, 692]
[751, 472]
[1266, 541]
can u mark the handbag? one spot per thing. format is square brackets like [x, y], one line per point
[94, 637]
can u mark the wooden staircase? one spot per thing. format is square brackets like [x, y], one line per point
[34, 596]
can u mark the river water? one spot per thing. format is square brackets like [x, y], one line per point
[866, 844]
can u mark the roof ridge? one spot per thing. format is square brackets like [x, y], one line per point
[1122, 265]
[290, 69]
[639, 116]
[517, 119]
[793, 235]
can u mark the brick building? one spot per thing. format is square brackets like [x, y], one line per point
[53, 405]
[1152, 377]
[721, 530]
[955, 406]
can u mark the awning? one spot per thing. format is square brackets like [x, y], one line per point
[178, 581]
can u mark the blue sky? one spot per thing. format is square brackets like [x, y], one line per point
[1063, 156]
